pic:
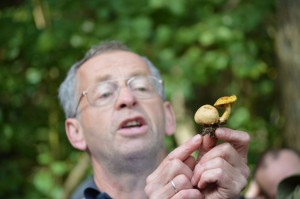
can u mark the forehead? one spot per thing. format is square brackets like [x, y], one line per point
[112, 65]
[284, 156]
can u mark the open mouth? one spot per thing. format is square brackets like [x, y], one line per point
[133, 127]
[132, 123]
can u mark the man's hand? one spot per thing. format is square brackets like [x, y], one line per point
[172, 179]
[222, 169]
[221, 172]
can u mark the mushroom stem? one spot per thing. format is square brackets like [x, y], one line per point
[226, 114]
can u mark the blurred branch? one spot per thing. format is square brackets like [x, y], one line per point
[185, 129]
[288, 50]
[76, 175]
[39, 15]
[53, 134]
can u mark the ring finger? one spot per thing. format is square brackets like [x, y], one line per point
[177, 184]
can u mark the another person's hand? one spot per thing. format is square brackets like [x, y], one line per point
[253, 191]
[172, 179]
[222, 169]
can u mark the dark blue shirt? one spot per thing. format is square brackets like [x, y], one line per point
[88, 190]
[91, 193]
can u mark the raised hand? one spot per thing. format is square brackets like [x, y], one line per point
[172, 179]
[222, 169]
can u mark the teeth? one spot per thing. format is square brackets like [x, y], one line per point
[132, 123]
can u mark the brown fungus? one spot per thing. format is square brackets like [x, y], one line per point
[208, 116]
[225, 102]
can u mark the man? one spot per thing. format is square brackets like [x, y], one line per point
[276, 174]
[116, 111]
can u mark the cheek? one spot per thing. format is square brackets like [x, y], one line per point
[96, 128]
[157, 117]
[95, 121]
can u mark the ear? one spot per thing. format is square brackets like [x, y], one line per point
[75, 134]
[170, 119]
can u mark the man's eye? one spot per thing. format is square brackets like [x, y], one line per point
[103, 92]
[141, 88]
[105, 95]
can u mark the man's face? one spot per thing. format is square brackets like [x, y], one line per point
[275, 169]
[107, 129]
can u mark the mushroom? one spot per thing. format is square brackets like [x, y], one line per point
[225, 102]
[208, 117]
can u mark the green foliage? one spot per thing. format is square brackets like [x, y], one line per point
[206, 48]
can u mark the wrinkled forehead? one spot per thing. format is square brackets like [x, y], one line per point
[283, 157]
[112, 65]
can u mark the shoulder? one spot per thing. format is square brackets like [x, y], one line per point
[289, 188]
[78, 192]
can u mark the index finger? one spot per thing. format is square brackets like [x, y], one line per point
[184, 151]
[238, 139]
[207, 144]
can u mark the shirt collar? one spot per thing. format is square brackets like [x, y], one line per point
[92, 192]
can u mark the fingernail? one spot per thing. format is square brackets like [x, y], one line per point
[196, 138]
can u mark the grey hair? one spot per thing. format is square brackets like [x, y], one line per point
[68, 94]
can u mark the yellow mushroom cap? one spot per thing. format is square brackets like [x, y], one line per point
[206, 115]
[223, 101]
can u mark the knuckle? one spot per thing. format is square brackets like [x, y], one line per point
[170, 156]
[176, 164]
[149, 179]
[244, 183]
[247, 171]
[240, 185]
[227, 150]
[183, 179]
[198, 167]
[148, 189]
[246, 137]
[220, 162]
[227, 147]
[220, 173]
[182, 194]
[187, 194]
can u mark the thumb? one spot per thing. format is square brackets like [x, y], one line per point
[238, 139]
[184, 151]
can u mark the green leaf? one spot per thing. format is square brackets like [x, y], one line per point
[33, 75]
[43, 181]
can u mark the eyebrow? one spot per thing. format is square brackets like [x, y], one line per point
[139, 73]
[108, 77]
[103, 78]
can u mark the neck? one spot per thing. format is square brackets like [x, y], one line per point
[122, 182]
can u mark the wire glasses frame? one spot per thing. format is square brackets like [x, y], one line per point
[105, 93]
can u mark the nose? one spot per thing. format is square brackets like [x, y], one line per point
[125, 98]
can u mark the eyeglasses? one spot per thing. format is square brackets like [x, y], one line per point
[105, 93]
